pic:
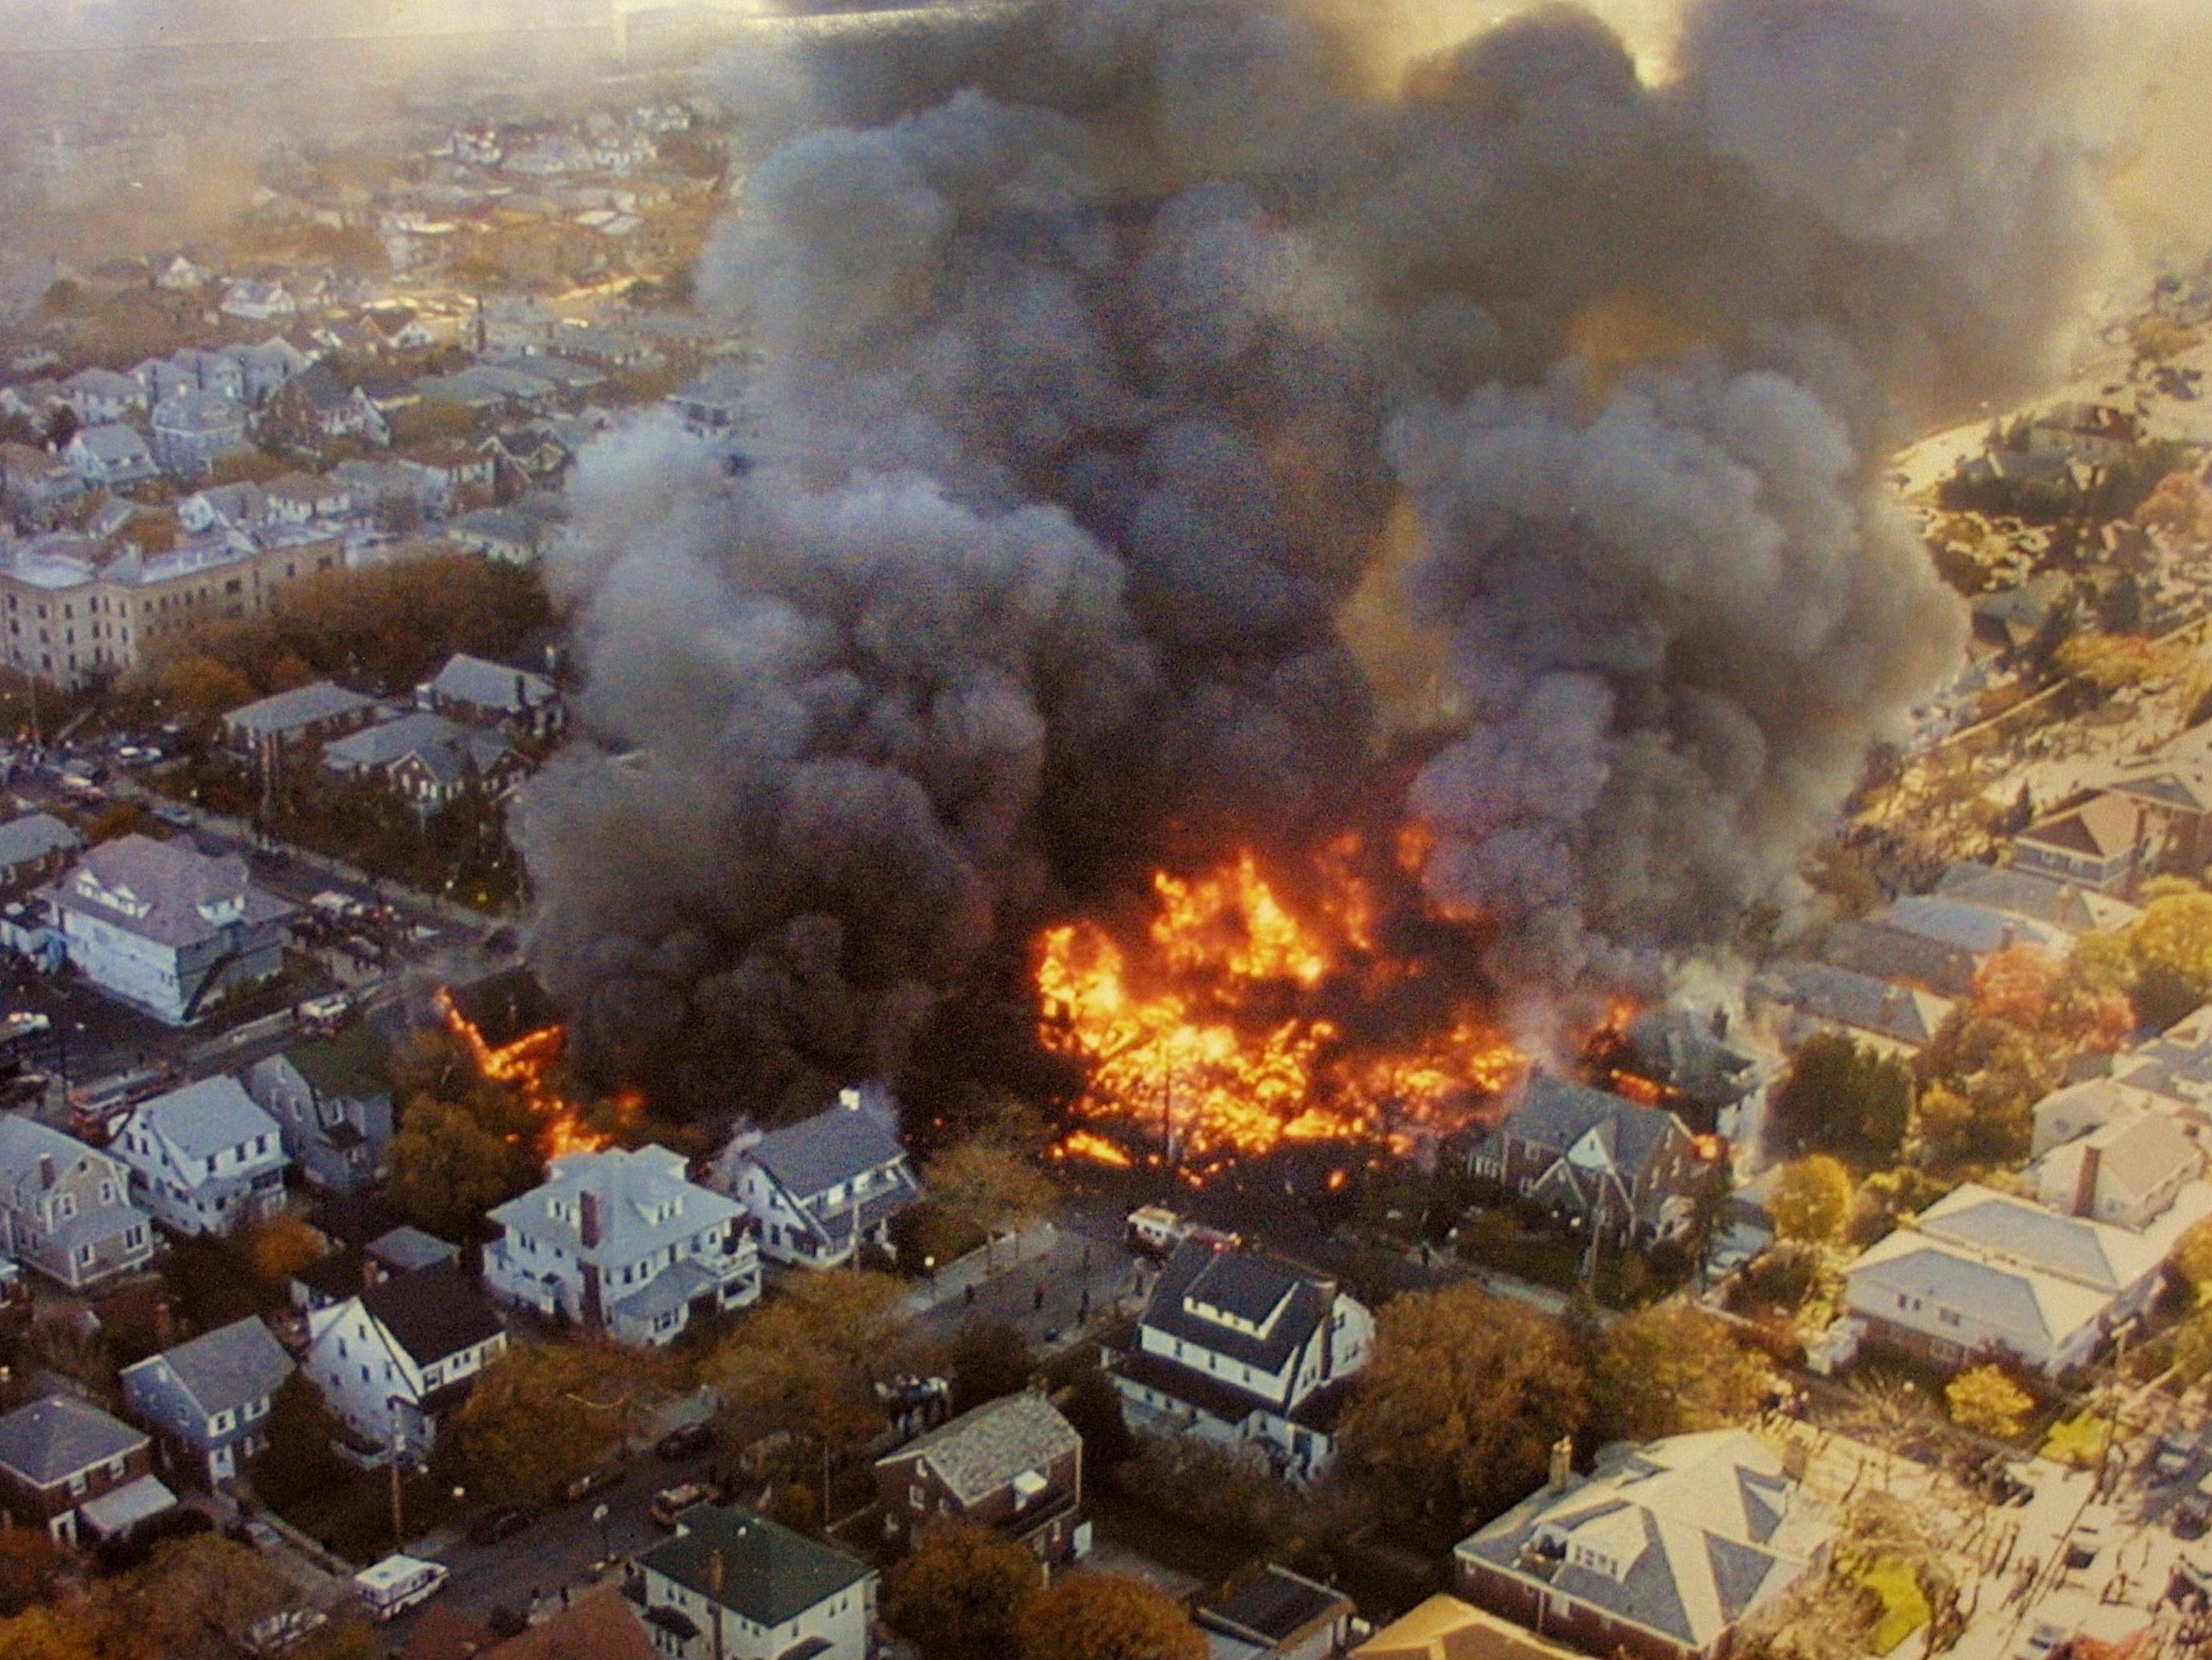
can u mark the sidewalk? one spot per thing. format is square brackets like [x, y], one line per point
[949, 1283]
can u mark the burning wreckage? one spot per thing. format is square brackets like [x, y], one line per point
[1295, 559]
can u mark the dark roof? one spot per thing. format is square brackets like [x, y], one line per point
[833, 1146]
[769, 1574]
[346, 1067]
[50, 1440]
[506, 1006]
[1678, 1048]
[1554, 1115]
[432, 1313]
[354, 1218]
[1889, 953]
[336, 1277]
[1274, 1608]
[1247, 1286]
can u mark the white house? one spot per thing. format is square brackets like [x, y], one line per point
[2126, 1171]
[1246, 1350]
[622, 1242]
[817, 1189]
[733, 1585]
[110, 457]
[100, 396]
[1981, 1274]
[204, 1158]
[193, 429]
[394, 1360]
[208, 1399]
[166, 927]
[258, 302]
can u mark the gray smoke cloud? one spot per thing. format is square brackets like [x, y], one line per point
[1103, 345]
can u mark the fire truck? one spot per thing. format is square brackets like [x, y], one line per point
[1156, 1230]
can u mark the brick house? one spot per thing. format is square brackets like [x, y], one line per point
[1628, 1173]
[1013, 1464]
[74, 1470]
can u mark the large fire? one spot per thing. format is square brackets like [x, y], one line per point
[1223, 1033]
[528, 1063]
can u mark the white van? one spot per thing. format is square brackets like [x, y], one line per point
[388, 1588]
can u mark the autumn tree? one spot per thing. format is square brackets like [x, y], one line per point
[298, 1459]
[187, 1601]
[279, 1247]
[1092, 1406]
[542, 1413]
[448, 1168]
[989, 1185]
[30, 1563]
[47, 1633]
[1979, 1081]
[807, 1363]
[1841, 1098]
[1670, 1369]
[202, 686]
[2179, 505]
[2170, 949]
[988, 1358]
[1811, 1200]
[1988, 1402]
[2032, 990]
[1106, 1616]
[960, 1592]
[1465, 1395]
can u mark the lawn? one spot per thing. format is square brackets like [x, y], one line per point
[1904, 1609]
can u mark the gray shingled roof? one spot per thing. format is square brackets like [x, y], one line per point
[202, 1119]
[349, 1066]
[52, 1439]
[487, 685]
[816, 1154]
[33, 836]
[1554, 1115]
[302, 706]
[172, 880]
[980, 1452]
[1237, 1281]
[228, 1368]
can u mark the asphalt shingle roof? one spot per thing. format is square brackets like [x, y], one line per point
[301, 707]
[432, 1313]
[980, 1452]
[484, 685]
[202, 1119]
[50, 1440]
[33, 836]
[348, 1066]
[818, 1154]
[228, 1368]
[1555, 1114]
[770, 1575]
[1197, 1273]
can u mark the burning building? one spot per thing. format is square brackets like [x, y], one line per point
[512, 1031]
[1215, 427]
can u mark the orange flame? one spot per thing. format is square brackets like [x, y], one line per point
[1089, 1144]
[1209, 1042]
[528, 1064]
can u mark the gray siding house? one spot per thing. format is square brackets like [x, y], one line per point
[210, 1399]
[332, 1100]
[817, 1189]
[65, 1209]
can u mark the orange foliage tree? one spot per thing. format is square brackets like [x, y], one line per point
[2031, 989]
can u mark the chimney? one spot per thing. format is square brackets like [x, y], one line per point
[2085, 1183]
[714, 1574]
[587, 1218]
[1720, 1021]
[46, 1169]
[165, 1324]
[1563, 1464]
[1797, 1459]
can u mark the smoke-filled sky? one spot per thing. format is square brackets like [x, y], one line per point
[1165, 401]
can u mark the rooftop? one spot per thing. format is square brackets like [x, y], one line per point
[50, 1440]
[982, 1451]
[643, 1200]
[432, 1313]
[203, 1119]
[833, 1146]
[769, 1575]
[166, 891]
[292, 711]
[226, 1368]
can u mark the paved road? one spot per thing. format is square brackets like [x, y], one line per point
[1051, 1285]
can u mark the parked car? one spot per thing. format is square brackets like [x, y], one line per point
[671, 1502]
[496, 1525]
[596, 1480]
[682, 1442]
[175, 814]
[388, 1588]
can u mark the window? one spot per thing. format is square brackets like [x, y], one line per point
[65, 1205]
[107, 1193]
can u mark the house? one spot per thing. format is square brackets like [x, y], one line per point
[111, 458]
[1013, 1464]
[1281, 1615]
[332, 1098]
[450, 467]
[733, 1585]
[316, 404]
[257, 301]
[1937, 942]
[621, 1242]
[194, 429]
[715, 401]
[2096, 433]
[428, 759]
[484, 693]
[208, 1399]
[36, 482]
[1445, 1629]
[166, 927]
[1818, 997]
[203, 1158]
[2175, 799]
[2067, 906]
[312, 713]
[1628, 1173]
[600, 1624]
[1659, 1553]
[65, 1209]
[239, 507]
[2097, 844]
[99, 397]
[2127, 1171]
[393, 1359]
[499, 534]
[1680, 1058]
[75, 1471]
[299, 498]
[34, 847]
[266, 369]
[1983, 1274]
[1247, 1351]
[348, 1269]
[818, 1189]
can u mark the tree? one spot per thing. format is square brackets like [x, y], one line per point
[1093, 1406]
[1106, 1616]
[447, 1169]
[188, 1600]
[960, 1592]
[1979, 1081]
[202, 687]
[298, 1460]
[989, 1185]
[1988, 1402]
[1841, 1098]
[30, 1563]
[61, 426]
[807, 1362]
[542, 1414]
[2180, 506]
[46, 1633]
[281, 1247]
[117, 820]
[1812, 1201]
[989, 1359]
[2192, 1259]
[2173, 939]
[1465, 1395]
[2032, 990]
[1670, 1369]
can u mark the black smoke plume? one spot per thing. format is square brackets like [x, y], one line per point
[1164, 403]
